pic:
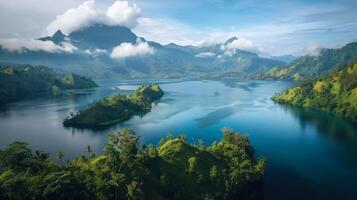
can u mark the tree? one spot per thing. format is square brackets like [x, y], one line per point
[60, 155]
[16, 156]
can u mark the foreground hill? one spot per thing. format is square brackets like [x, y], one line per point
[22, 81]
[116, 108]
[335, 92]
[127, 170]
[312, 66]
[91, 51]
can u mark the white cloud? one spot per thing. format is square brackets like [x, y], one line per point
[245, 45]
[23, 45]
[242, 44]
[86, 14]
[120, 13]
[95, 52]
[128, 50]
[311, 49]
[205, 55]
[99, 51]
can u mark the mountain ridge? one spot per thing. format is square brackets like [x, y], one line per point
[311, 66]
[92, 48]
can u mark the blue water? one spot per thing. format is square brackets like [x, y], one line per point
[311, 154]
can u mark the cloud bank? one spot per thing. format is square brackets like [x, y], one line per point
[23, 45]
[205, 55]
[125, 50]
[242, 44]
[86, 14]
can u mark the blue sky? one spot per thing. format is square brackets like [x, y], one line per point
[274, 26]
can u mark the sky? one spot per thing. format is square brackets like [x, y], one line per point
[274, 27]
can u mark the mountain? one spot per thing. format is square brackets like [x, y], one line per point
[311, 66]
[57, 38]
[23, 81]
[284, 58]
[89, 51]
[335, 92]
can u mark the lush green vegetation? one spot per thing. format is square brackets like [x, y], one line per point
[116, 108]
[173, 169]
[311, 66]
[335, 92]
[19, 82]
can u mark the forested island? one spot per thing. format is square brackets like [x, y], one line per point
[335, 92]
[173, 169]
[116, 108]
[24, 81]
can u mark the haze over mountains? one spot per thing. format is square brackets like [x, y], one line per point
[109, 51]
[309, 66]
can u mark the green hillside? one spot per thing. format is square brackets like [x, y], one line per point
[312, 66]
[23, 81]
[116, 108]
[128, 170]
[335, 92]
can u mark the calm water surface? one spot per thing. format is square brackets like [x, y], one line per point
[311, 155]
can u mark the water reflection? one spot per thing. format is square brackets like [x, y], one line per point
[337, 128]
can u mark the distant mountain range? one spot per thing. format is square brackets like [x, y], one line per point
[313, 65]
[96, 51]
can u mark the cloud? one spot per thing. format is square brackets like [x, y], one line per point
[120, 13]
[312, 49]
[95, 52]
[205, 55]
[23, 45]
[87, 14]
[128, 50]
[242, 44]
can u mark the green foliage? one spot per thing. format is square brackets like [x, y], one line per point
[335, 92]
[116, 108]
[23, 81]
[172, 170]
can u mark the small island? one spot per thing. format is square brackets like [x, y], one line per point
[116, 108]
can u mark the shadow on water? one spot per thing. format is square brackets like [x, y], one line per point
[280, 178]
[214, 117]
[339, 129]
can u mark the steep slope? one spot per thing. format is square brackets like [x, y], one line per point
[311, 66]
[335, 92]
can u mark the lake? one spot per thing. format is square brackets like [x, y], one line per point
[311, 154]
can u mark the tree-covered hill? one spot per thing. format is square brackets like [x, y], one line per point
[116, 108]
[173, 169]
[335, 92]
[22, 81]
[311, 66]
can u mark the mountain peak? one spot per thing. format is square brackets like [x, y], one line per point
[102, 36]
[230, 40]
[58, 36]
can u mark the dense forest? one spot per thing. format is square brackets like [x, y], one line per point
[335, 92]
[116, 108]
[173, 169]
[23, 81]
[310, 66]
